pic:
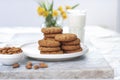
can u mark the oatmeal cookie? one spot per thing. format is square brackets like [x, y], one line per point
[48, 38]
[75, 42]
[70, 48]
[48, 43]
[51, 30]
[49, 48]
[53, 52]
[51, 35]
[77, 50]
[65, 37]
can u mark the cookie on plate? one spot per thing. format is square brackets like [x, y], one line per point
[45, 38]
[51, 35]
[53, 52]
[49, 49]
[51, 30]
[65, 37]
[73, 51]
[70, 48]
[75, 42]
[48, 43]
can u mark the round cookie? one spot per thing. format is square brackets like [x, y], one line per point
[51, 35]
[70, 48]
[55, 52]
[48, 43]
[49, 48]
[65, 37]
[48, 38]
[51, 30]
[75, 42]
[77, 50]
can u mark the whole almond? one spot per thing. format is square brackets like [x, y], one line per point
[28, 67]
[43, 65]
[15, 65]
[29, 63]
[36, 66]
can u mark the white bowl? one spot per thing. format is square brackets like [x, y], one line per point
[6, 59]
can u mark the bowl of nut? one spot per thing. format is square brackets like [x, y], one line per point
[10, 55]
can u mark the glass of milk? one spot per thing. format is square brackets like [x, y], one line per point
[76, 23]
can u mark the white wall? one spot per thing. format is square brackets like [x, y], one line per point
[99, 12]
[23, 12]
[18, 13]
[118, 19]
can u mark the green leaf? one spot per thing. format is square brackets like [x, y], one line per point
[49, 17]
[48, 5]
[49, 20]
[75, 6]
[40, 4]
[51, 6]
[44, 6]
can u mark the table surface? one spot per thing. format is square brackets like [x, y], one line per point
[103, 43]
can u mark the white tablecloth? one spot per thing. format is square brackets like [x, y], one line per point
[105, 41]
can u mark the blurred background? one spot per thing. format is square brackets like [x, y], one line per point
[104, 13]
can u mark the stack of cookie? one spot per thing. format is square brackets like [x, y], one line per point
[50, 33]
[49, 45]
[70, 42]
[55, 42]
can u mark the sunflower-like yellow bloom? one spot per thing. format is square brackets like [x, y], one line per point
[45, 14]
[60, 8]
[64, 15]
[68, 7]
[40, 11]
[55, 13]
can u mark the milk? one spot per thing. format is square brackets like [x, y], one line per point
[76, 23]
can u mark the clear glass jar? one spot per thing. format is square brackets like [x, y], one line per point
[58, 22]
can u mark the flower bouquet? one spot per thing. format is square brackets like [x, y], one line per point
[52, 16]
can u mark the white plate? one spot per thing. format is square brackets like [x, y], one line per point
[31, 50]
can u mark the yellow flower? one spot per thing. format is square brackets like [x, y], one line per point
[55, 13]
[45, 13]
[62, 12]
[64, 15]
[68, 7]
[40, 10]
[60, 8]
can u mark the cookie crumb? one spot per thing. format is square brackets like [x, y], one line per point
[43, 65]
[36, 67]
[16, 65]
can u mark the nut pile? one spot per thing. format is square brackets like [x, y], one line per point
[10, 50]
